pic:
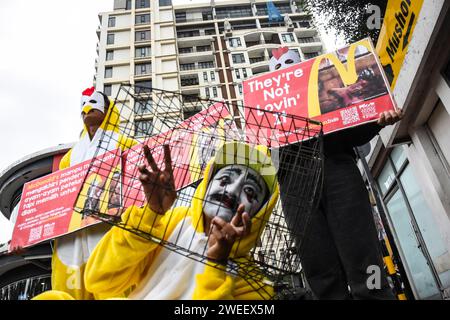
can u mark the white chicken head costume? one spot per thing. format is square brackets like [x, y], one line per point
[282, 58]
[92, 99]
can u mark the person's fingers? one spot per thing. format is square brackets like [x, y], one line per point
[381, 119]
[143, 169]
[150, 160]
[388, 117]
[217, 233]
[394, 116]
[168, 160]
[237, 219]
[219, 222]
[246, 221]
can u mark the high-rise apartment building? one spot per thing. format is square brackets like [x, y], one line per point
[204, 49]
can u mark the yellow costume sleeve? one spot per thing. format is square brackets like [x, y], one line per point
[65, 161]
[120, 259]
[215, 284]
[126, 142]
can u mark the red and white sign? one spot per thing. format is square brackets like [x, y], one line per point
[47, 204]
[192, 143]
[342, 89]
[50, 206]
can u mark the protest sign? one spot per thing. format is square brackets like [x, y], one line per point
[192, 143]
[47, 204]
[342, 89]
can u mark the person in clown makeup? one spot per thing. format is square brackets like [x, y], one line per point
[72, 251]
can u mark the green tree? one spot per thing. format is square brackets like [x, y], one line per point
[348, 17]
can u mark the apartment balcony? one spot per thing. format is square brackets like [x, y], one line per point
[189, 81]
[304, 29]
[259, 63]
[260, 67]
[198, 50]
[195, 38]
[196, 65]
[310, 44]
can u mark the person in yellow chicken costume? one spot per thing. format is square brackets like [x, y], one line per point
[226, 217]
[71, 252]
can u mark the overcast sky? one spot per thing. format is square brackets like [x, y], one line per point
[47, 57]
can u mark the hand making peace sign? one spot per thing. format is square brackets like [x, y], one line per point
[159, 185]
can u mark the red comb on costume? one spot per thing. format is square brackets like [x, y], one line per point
[88, 91]
[277, 53]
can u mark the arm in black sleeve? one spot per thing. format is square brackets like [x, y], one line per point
[360, 135]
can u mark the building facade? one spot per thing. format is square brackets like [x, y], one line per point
[203, 50]
[410, 161]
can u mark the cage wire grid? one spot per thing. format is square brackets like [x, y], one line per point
[193, 141]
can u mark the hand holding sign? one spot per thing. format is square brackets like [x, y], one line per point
[389, 117]
[159, 185]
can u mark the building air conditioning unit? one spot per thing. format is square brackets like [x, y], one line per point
[227, 28]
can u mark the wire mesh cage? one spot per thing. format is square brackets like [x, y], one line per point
[263, 152]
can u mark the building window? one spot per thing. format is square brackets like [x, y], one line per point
[306, 39]
[235, 42]
[205, 76]
[189, 81]
[238, 75]
[143, 128]
[188, 34]
[128, 5]
[110, 38]
[107, 89]
[142, 4]
[288, 37]
[108, 72]
[163, 3]
[142, 18]
[238, 58]
[240, 88]
[144, 68]
[203, 48]
[109, 55]
[304, 24]
[187, 66]
[111, 22]
[142, 52]
[186, 50]
[214, 92]
[180, 16]
[413, 222]
[142, 35]
[234, 12]
[311, 55]
[143, 106]
[213, 75]
[143, 86]
[244, 72]
[206, 64]
[207, 92]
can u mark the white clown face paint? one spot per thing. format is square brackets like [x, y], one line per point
[232, 186]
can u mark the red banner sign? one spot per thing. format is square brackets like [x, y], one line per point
[47, 204]
[342, 89]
